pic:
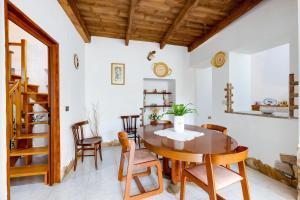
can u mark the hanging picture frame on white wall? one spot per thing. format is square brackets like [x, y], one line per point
[117, 74]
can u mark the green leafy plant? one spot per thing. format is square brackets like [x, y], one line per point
[155, 116]
[180, 109]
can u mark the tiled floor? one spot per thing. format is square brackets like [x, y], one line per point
[88, 184]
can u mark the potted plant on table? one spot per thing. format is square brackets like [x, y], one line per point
[179, 110]
[154, 118]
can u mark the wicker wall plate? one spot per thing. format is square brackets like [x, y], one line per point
[161, 69]
[219, 59]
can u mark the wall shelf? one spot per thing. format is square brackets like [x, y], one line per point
[158, 96]
[157, 106]
[157, 92]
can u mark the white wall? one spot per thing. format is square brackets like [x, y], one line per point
[270, 24]
[37, 57]
[270, 74]
[116, 100]
[3, 188]
[49, 15]
[240, 77]
[204, 95]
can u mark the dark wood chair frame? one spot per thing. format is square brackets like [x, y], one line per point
[85, 144]
[130, 127]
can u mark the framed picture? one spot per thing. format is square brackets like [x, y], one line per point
[117, 74]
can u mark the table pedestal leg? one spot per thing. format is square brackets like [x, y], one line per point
[174, 185]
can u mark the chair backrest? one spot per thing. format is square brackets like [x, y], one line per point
[129, 122]
[238, 155]
[77, 130]
[215, 127]
[123, 139]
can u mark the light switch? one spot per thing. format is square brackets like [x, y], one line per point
[67, 108]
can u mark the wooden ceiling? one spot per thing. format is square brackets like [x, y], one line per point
[179, 22]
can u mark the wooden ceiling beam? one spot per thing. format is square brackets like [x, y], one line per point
[72, 11]
[133, 4]
[187, 7]
[235, 14]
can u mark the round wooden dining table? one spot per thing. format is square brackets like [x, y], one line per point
[180, 153]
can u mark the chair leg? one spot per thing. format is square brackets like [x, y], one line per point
[100, 151]
[82, 154]
[128, 184]
[75, 159]
[160, 177]
[135, 138]
[95, 156]
[244, 182]
[182, 188]
[121, 167]
[139, 141]
[210, 178]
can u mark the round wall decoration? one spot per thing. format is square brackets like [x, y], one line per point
[219, 59]
[76, 61]
[161, 69]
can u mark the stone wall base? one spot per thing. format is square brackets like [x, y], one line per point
[270, 172]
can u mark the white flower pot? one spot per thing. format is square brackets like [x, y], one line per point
[179, 124]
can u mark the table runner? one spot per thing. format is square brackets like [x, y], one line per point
[185, 136]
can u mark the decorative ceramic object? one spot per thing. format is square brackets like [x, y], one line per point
[161, 69]
[151, 55]
[270, 101]
[179, 124]
[76, 61]
[219, 59]
[268, 110]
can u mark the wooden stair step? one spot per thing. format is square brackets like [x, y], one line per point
[32, 135]
[39, 122]
[33, 87]
[28, 170]
[37, 113]
[35, 94]
[14, 76]
[38, 102]
[29, 151]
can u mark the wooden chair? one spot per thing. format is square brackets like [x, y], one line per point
[83, 144]
[222, 129]
[139, 158]
[213, 176]
[130, 126]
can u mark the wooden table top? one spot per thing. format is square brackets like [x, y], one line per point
[212, 142]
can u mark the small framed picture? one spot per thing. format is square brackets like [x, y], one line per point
[117, 74]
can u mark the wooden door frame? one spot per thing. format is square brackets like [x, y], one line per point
[15, 15]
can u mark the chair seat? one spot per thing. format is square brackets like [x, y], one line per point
[223, 176]
[142, 155]
[90, 141]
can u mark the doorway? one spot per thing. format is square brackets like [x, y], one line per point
[17, 84]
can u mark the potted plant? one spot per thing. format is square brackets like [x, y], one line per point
[179, 110]
[154, 118]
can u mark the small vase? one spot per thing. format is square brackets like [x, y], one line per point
[179, 124]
